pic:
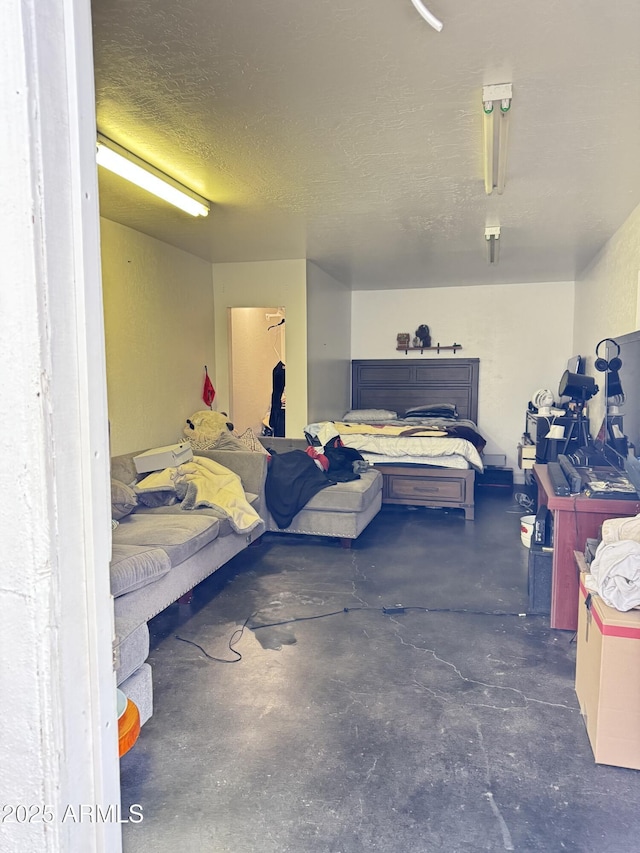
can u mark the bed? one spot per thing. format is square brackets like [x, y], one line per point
[425, 459]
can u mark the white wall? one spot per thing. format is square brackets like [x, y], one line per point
[255, 351]
[607, 291]
[522, 334]
[159, 329]
[607, 300]
[328, 345]
[57, 685]
[253, 284]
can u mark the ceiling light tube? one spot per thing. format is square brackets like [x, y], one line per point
[122, 162]
[487, 120]
[422, 10]
[492, 237]
[493, 96]
[503, 138]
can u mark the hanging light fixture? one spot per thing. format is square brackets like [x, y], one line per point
[431, 19]
[496, 98]
[492, 237]
[122, 162]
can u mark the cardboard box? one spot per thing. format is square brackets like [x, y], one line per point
[526, 456]
[158, 458]
[608, 679]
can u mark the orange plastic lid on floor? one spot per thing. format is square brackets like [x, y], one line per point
[128, 728]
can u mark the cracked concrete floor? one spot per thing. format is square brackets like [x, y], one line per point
[451, 727]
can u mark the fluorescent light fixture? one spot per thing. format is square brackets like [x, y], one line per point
[487, 121]
[422, 10]
[496, 99]
[132, 168]
[492, 237]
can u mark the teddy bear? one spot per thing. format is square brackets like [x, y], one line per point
[206, 425]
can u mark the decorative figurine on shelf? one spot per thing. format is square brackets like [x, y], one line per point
[423, 337]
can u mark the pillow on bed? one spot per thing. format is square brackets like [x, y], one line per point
[363, 416]
[434, 410]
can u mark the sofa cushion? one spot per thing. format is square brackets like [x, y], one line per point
[353, 496]
[134, 566]
[225, 527]
[123, 468]
[123, 499]
[138, 687]
[132, 645]
[180, 534]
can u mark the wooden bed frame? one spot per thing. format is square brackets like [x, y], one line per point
[400, 384]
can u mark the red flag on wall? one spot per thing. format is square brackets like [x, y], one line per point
[208, 392]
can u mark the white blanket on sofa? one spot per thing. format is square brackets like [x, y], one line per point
[205, 483]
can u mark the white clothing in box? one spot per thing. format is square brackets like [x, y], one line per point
[163, 457]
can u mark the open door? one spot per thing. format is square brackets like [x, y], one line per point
[257, 360]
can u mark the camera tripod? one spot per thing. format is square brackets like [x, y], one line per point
[578, 433]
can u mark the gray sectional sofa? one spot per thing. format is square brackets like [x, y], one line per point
[341, 511]
[160, 553]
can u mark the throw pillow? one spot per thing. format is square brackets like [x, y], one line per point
[228, 441]
[363, 416]
[123, 499]
[251, 441]
[196, 444]
[434, 410]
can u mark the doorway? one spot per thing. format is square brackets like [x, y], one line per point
[257, 360]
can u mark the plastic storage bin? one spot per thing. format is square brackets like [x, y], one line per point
[526, 529]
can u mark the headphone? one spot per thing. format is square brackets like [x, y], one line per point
[602, 364]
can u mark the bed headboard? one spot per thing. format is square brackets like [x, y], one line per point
[400, 384]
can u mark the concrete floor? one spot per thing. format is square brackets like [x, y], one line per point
[434, 730]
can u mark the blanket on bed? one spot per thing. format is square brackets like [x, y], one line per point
[452, 429]
[411, 438]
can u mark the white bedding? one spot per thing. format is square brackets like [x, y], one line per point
[434, 450]
[458, 462]
[425, 450]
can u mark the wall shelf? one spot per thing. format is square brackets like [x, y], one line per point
[437, 348]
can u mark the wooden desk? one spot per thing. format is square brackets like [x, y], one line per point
[575, 519]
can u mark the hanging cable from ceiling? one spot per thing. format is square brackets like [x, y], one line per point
[431, 19]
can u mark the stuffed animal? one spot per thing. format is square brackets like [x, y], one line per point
[423, 335]
[206, 425]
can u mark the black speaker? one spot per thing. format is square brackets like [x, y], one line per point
[577, 386]
[602, 364]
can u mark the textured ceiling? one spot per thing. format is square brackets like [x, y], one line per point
[350, 132]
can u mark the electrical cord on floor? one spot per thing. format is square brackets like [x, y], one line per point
[233, 639]
[396, 610]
